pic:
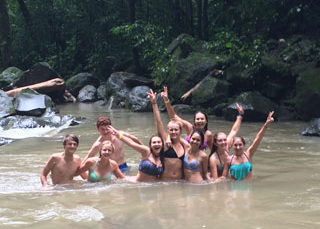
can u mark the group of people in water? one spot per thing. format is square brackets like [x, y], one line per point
[167, 157]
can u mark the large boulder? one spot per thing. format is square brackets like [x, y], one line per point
[211, 92]
[101, 92]
[312, 128]
[138, 99]
[8, 77]
[38, 73]
[123, 86]
[181, 109]
[87, 94]
[31, 103]
[75, 83]
[186, 73]
[6, 105]
[256, 108]
[308, 92]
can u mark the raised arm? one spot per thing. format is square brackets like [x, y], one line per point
[92, 152]
[144, 150]
[156, 113]
[187, 126]
[254, 146]
[85, 167]
[236, 126]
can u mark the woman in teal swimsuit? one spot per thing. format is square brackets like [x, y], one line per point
[221, 145]
[101, 168]
[195, 162]
[150, 166]
[240, 164]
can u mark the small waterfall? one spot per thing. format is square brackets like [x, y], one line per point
[110, 103]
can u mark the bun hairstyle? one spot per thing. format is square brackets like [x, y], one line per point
[106, 143]
[71, 137]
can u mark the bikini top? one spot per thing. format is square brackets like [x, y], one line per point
[242, 170]
[221, 166]
[193, 165]
[171, 153]
[149, 168]
[93, 177]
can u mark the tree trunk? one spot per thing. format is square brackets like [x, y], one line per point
[205, 20]
[135, 51]
[28, 21]
[199, 17]
[5, 38]
[190, 12]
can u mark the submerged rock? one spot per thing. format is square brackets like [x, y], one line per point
[312, 128]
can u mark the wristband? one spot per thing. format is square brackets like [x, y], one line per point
[168, 101]
[120, 136]
[117, 134]
[240, 115]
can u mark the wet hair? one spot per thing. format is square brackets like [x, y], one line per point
[197, 131]
[205, 115]
[161, 151]
[71, 137]
[103, 121]
[241, 139]
[106, 143]
[176, 122]
[214, 147]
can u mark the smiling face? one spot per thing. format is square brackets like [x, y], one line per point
[103, 130]
[174, 130]
[220, 140]
[70, 146]
[200, 121]
[238, 145]
[156, 145]
[195, 140]
[106, 150]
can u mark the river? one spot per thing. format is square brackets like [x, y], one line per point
[284, 191]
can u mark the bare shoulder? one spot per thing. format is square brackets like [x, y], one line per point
[203, 155]
[208, 133]
[114, 164]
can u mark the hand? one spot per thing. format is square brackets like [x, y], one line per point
[240, 109]
[270, 118]
[152, 96]
[111, 130]
[168, 141]
[164, 94]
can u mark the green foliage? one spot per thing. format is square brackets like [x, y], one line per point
[247, 54]
[148, 38]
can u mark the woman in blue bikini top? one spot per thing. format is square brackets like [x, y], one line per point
[101, 168]
[240, 164]
[195, 163]
[151, 164]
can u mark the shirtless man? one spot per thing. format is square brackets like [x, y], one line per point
[63, 166]
[105, 135]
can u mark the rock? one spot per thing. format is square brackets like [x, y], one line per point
[312, 128]
[181, 109]
[219, 110]
[186, 73]
[6, 105]
[132, 80]
[8, 77]
[87, 94]
[100, 103]
[31, 103]
[116, 85]
[211, 92]
[38, 73]
[138, 99]
[257, 108]
[75, 83]
[101, 92]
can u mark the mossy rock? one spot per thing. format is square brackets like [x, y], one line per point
[9, 76]
[186, 73]
[308, 94]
